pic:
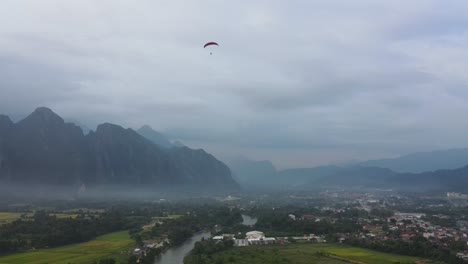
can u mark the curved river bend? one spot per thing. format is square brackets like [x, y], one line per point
[175, 255]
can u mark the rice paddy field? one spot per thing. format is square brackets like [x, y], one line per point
[6, 217]
[302, 253]
[115, 245]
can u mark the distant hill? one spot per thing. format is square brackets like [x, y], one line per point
[356, 177]
[301, 176]
[251, 172]
[374, 177]
[154, 136]
[43, 148]
[441, 180]
[423, 161]
[264, 173]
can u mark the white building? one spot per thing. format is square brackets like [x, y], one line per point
[241, 242]
[254, 235]
[408, 216]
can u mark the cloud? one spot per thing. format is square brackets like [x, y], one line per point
[291, 80]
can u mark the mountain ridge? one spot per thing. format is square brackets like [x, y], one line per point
[420, 169]
[155, 136]
[43, 148]
[423, 161]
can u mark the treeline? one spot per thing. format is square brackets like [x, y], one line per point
[281, 222]
[418, 247]
[205, 248]
[148, 258]
[178, 230]
[208, 216]
[44, 230]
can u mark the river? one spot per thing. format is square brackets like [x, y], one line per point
[248, 221]
[175, 255]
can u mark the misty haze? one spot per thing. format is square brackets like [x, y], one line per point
[211, 132]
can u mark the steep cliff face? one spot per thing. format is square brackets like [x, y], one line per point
[190, 162]
[123, 156]
[6, 126]
[198, 162]
[44, 149]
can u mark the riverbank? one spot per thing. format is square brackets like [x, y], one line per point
[246, 221]
[175, 255]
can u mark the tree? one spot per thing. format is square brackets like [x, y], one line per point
[133, 259]
[107, 261]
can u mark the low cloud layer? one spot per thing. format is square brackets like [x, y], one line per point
[298, 82]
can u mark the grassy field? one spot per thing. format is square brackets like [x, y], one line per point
[110, 245]
[302, 253]
[7, 217]
[65, 215]
[368, 256]
[174, 216]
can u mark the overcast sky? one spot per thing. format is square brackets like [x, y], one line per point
[300, 83]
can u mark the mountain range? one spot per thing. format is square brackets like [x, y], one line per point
[263, 173]
[397, 174]
[44, 149]
[250, 172]
[423, 161]
[382, 178]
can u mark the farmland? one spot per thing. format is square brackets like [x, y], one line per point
[306, 253]
[112, 245]
[6, 217]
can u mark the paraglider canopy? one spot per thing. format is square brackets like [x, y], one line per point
[210, 44]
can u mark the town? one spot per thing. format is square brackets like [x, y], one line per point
[431, 227]
[326, 226]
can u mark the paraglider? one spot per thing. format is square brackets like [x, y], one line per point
[212, 43]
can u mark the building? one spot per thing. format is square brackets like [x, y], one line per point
[137, 252]
[241, 242]
[255, 235]
[408, 216]
[308, 216]
[229, 236]
[262, 241]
